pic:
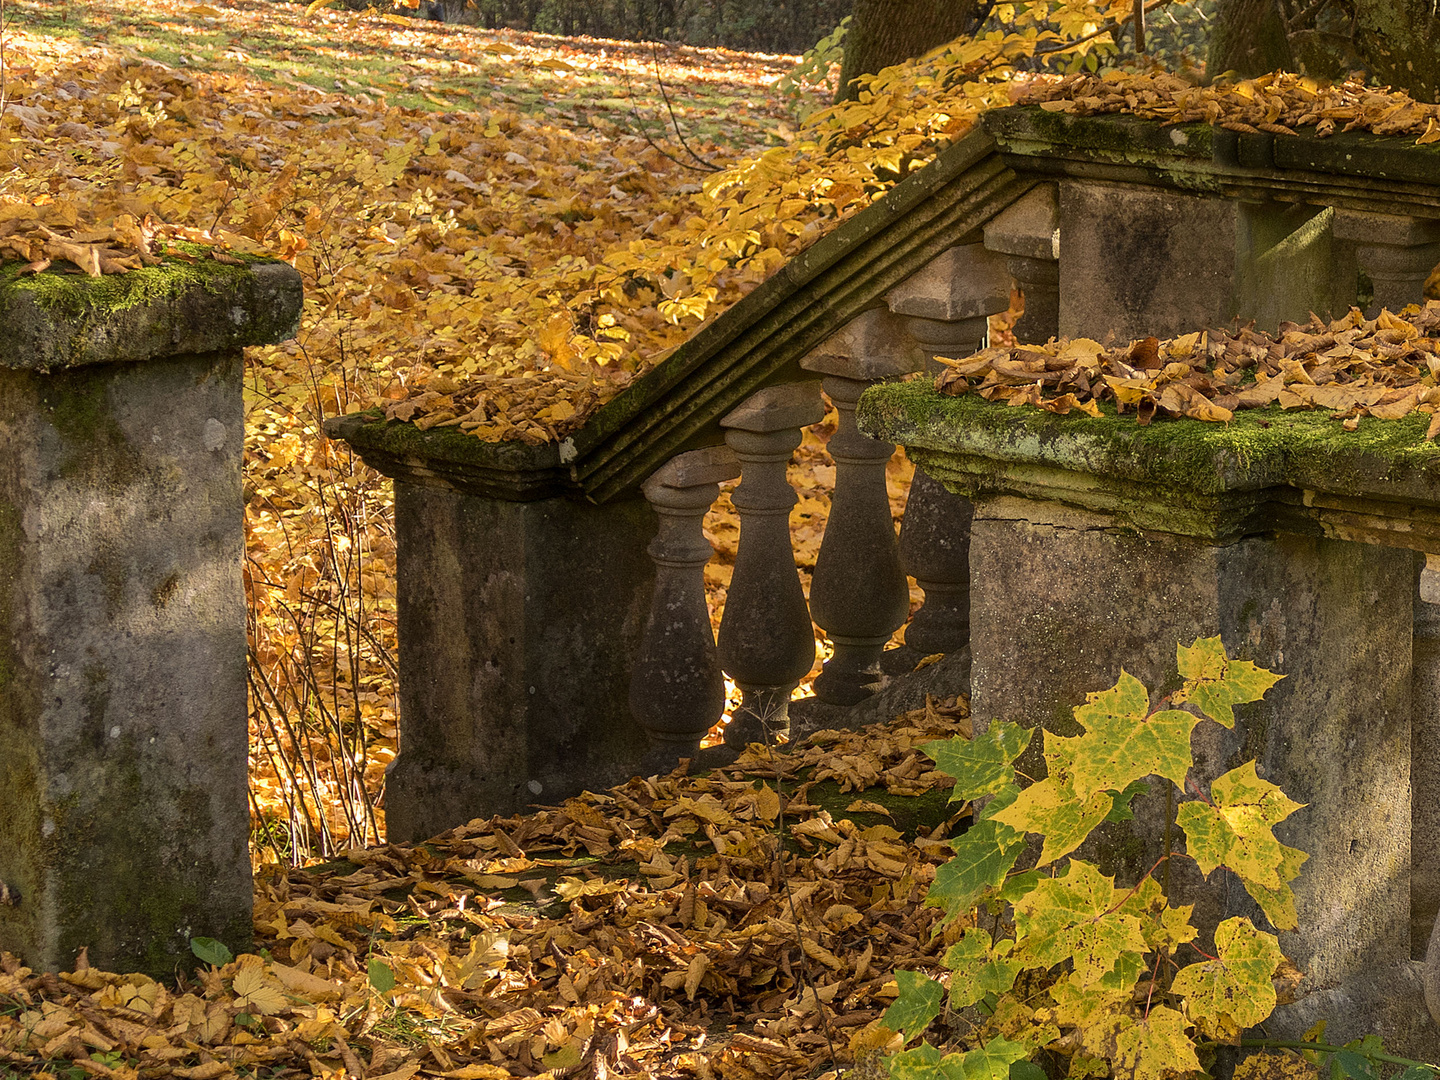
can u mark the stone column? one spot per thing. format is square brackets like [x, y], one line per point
[1397, 252]
[1063, 598]
[946, 308]
[519, 625]
[677, 692]
[1425, 764]
[858, 594]
[124, 820]
[1138, 261]
[1028, 234]
[766, 642]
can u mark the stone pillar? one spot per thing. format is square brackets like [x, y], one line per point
[858, 594]
[766, 641]
[124, 820]
[519, 623]
[1138, 261]
[1028, 234]
[1397, 252]
[946, 308]
[1063, 598]
[1425, 764]
[677, 692]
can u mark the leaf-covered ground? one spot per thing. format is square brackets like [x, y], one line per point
[744, 923]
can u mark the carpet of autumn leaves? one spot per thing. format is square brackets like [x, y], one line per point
[660, 929]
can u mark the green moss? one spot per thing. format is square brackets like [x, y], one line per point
[74, 295]
[1191, 461]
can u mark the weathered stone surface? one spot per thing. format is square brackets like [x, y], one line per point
[677, 692]
[873, 345]
[1141, 261]
[895, 694]
[55, 321]
[1062, 599]
[1264, 470]
[965, 281]
[1029, 227]
[858, 592]
[1425, 775]
[124, 822]
[519, 623]
[1138, 261]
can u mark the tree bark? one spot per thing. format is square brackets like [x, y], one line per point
[1396, 42]
[1400, 42]
[1248, 38]
[887, 32]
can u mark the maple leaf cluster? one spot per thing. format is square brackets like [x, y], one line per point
[657, 928]
[1386, 367]
[1279, 103]
[1066, 963]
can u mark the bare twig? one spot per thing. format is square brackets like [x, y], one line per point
[675, 123]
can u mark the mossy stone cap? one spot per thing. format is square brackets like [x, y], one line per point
[52, 321]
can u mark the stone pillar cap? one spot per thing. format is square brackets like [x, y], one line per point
[1030, 226]
[778, 408]
[1385, 230]
[960, 283]
[871, 346]
[52, 321]
[695, 468]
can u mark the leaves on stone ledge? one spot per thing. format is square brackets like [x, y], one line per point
[1386, 367]
[1279, 103]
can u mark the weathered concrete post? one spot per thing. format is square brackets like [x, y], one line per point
[766, 642]
[677, 692]
[123, 814]
[1140, 261]
[1028, 234]
[946, 308]
[1398, 252]
[858, 594]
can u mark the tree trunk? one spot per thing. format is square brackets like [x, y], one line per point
[1248, 38]
[1395, 41]
[1400, 42]
[887, 32]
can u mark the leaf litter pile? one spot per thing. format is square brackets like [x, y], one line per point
[1278, 103]
[1386, 367]
[660, 929]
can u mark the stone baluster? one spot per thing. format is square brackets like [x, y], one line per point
[766, 641]
[1397, 252]
[945, 307]
[677, 692]
[1028, 234]
[858, 594]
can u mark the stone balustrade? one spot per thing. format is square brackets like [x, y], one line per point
[1046, 562]
[124, 821]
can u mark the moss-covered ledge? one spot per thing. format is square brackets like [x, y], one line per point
[1354, 169]
[1266, 470]
[449, 458]
[188, 305]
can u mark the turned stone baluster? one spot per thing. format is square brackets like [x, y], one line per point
[1397, 252]
[858, 594]
[1028, 234]
[946, 308]
[766, 641]
[677, 692]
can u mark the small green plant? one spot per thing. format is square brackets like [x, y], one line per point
[1064, 960]
[814, 72]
